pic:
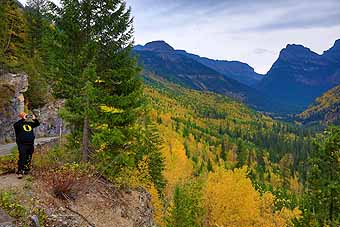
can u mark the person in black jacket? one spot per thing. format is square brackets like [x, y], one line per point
[25, 140]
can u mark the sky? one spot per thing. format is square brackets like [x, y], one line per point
[251, 31]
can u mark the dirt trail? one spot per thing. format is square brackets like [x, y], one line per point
[11, 181]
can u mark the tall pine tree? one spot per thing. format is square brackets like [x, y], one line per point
[95, 72]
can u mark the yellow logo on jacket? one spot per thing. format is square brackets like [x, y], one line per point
[27, 128]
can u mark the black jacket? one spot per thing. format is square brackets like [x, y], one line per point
[24, 131]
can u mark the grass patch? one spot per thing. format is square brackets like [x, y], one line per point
[50, 158]
[10, 204]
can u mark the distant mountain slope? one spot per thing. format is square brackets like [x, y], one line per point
[325, 109]
[162, 60]
[334, 52]
[189, 73]
[236, 70]
[299, 75]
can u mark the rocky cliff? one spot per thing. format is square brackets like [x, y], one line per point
[12, 88]
[50, 123]
[12, 102]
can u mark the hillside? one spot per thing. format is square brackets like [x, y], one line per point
[325, 109]
[224, 127]
[67, 195]
[300, 75]
[236, 70]
[203, 132]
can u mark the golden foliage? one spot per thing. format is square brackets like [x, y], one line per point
[271, 218]
[177, 165]
[110, 109]
[232, 201]
[190, 123]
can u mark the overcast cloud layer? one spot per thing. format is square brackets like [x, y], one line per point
[252, 31]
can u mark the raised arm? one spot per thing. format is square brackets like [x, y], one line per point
[36, 123]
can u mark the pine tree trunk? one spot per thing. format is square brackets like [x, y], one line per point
[331, 208]
[85, 145]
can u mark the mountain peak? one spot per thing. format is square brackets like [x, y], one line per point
[337, 42]
[158, 45]
[293, 51]
[335, 47]
[138, 47]
[333, 52]
[297, 48]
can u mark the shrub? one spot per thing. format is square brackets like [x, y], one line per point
[67, 181]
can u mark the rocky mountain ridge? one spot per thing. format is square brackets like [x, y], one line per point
[300, 75]
[239, 71]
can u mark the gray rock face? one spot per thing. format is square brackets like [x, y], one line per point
[12, 102]
[50, 123]
[12, 88]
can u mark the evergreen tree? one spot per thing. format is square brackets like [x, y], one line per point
[324, 180]
[188, 209]
[93, 59]
[148, 144]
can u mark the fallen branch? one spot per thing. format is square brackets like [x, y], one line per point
[82, 216]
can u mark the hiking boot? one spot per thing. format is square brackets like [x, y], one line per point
[20, 175]
[26, 172]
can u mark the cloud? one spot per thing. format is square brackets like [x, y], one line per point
[302, 16]
[261, 51]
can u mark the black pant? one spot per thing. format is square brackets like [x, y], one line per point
[25, 157]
